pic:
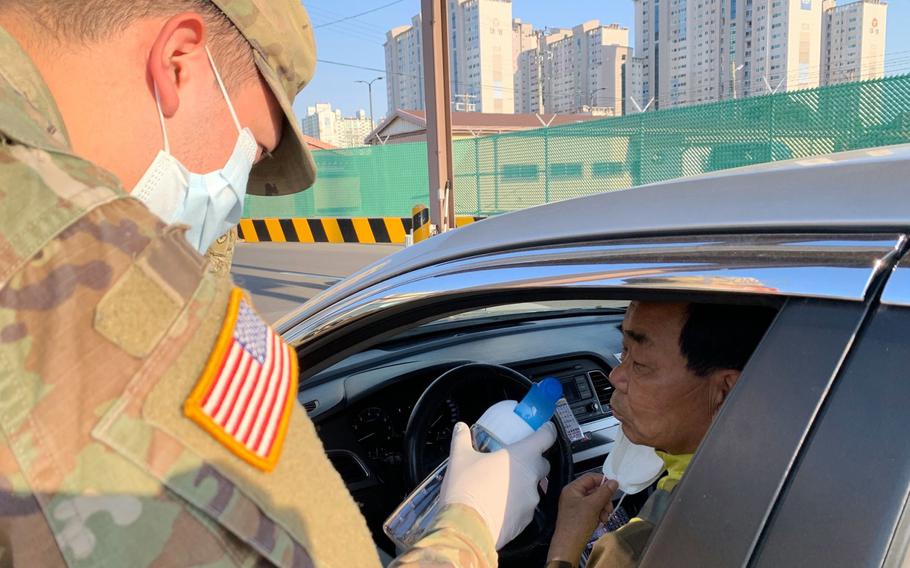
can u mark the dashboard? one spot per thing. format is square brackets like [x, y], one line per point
[361, 406]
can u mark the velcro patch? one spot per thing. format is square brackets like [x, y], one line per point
[246, 393]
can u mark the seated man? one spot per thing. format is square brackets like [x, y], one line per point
[679, 363]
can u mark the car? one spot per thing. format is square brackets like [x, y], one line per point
[807, 464]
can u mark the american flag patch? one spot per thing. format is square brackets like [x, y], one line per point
[247, 391]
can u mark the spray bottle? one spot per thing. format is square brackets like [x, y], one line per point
[504, 423]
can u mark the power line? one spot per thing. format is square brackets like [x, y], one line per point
[341, 64]
[353, 34]
[346, 18]
[324, 14]
[353, 28]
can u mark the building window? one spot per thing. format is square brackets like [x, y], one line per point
[520, 172]
[565, 171]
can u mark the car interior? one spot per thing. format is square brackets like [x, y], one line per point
[385, 411]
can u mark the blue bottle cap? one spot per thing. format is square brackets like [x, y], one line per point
[539, 405]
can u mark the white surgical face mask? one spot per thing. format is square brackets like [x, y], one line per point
[634, 467]
[210, 203]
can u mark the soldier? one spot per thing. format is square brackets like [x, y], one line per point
[148, 415]
[221, 253]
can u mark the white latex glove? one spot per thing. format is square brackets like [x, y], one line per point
[502, 485]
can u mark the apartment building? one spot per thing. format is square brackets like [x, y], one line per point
[331, 127]
[696, 51]
[481, 59]
[780, 46]
[533, 71]
[634, 78]
[693, 51]
[404, 66]
[573, 70]
[584, 69]
[854, 46]
[525, 40]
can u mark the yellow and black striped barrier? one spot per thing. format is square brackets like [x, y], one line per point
[367, 230]
[420, 223]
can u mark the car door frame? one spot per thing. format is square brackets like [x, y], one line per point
[844, 499]
[776, 265]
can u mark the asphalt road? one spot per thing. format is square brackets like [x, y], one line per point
[281, 276]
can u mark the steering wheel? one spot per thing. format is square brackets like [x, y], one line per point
[513, 386]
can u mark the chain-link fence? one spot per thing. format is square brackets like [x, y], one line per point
[511, 171]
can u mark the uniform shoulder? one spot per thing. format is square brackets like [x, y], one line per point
[42, 193]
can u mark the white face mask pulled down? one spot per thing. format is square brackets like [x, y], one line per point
[210, 203]
[634, 467]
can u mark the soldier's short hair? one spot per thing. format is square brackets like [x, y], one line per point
[87, 21]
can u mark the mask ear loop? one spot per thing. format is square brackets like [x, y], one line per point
[223, 89]
[167, 146]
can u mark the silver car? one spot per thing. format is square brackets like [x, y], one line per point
[808, 464]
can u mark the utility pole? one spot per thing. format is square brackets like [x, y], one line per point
[435, 28]
[369, 85]
[594, 95]
[466, 105]
[733, 70]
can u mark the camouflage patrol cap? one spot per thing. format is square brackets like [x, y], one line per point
[285, 52]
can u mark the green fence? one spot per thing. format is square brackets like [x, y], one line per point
[511, 171]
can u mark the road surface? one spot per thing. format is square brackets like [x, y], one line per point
[281, 276]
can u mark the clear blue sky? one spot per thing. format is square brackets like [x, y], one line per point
[359, 41]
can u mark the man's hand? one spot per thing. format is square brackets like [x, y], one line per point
[582, 504]
[502, 485]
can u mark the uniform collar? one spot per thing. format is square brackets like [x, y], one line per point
[676, 466]
[28, 113]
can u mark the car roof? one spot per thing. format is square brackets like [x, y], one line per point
[863, 190]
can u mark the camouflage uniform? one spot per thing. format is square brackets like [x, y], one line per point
[107, 321]
[221, 253]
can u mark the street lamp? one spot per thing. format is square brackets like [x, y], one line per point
[595, 91]
[369, 85]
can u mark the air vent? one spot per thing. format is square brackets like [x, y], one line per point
[310, 405]
[349, 466]
[602, 388]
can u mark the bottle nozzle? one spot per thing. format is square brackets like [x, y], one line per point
[539, 405]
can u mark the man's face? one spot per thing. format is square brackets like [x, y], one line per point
[111, 115]
[658, 400]
[203, 132]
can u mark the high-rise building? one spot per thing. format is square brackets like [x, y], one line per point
[331, 126]
[647, 49]
[533, 71]
[525, 40]
[585, 69]
[572, 71]
[779, 46]
[634, 74]
[481, 58]
[854, 47]
[726, 48]
[404, 67]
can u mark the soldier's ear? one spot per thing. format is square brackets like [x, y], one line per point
[176, 58]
